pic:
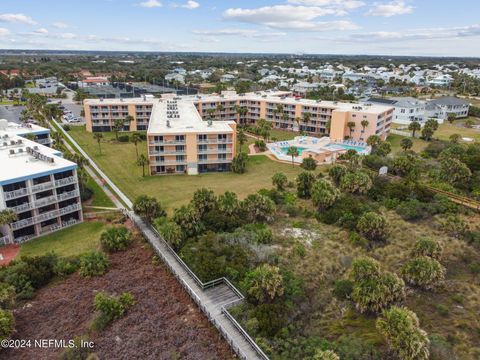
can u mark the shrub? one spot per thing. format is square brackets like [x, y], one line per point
[454, 226]
[123, 138]
[357, 239]
[325, 355]
[442, 309]
[345, 212]
[424, 272]
[239, 163]
[148, 207]
[305, 182]
[309, 163]
[7, 296]
[93, 263]
[7, 324]
[427, 247]
[78, 352]
[373, 226]
[400, 327]
[280, 181]
[260, 233]
[343, 289]
[261, 145]
[271, 318]
[66, 127]
[374, 289]
[258, 208]
[356, 183]
[170, 231]
[110, 308]
[337, 172]
[324, 194]
[264, 284]
[116, 239]
[66, 267]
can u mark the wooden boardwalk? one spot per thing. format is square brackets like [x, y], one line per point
[213, 298]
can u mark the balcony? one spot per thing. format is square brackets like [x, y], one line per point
[215, 151]
[46, 201]
[5, 240]
[21, 223]
[21, 208]
[170, 162]
[215, 161]
[49, 229]
[168, 152]
[214, 141]
[66, 181]
[42, 187]
[67, 195]
[163, 142]
[70, 208]
[16, 193]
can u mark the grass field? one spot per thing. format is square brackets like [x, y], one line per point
[99, 197]
[445, 130]
[395, 140]
[71, 241]
[118, 162]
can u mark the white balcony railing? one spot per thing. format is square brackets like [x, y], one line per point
[46, 201]
[215, 161]
[68, 195]
[66, 181]
[16, 193]
[42, 187]
[21, 208]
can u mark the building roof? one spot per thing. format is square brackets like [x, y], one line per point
[178, 116]
[448, 101]
[405, 102]
[17, 164]
[22, 129]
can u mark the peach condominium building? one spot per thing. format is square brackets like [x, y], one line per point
[339, 120]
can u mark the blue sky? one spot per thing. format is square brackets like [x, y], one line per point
[390, 27]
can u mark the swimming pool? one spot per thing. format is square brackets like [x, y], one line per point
[300, 150]
[358, 149]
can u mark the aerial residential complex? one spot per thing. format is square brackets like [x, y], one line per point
[38, 184]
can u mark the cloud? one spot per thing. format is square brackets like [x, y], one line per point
[341, 4]
[393, 8]
[17, 18]
[60, 25]
[4, 32]
[288, 17]
[415, 34]
[150, 4]
[191, 5]
[248, 33]
[41, 31]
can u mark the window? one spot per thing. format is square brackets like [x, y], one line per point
[222, 136]
[179, 137]
[222, 156]
[202, 157]
[180, 148]
[202, 147]
[158, 138]
[222, 146]
[180, 158]
[202, 137]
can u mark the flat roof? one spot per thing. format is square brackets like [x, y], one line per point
[21, 166]
[147, 100]
[182, 117]
[23, 129]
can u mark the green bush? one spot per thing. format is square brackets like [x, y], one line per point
[66, 267]
[442, 309]
[343, 289]
[110, 308]
[424, 272]
[78, 352]
[7, 296]
[357, 239]
[427, 247]
[124, 138]
[93, 263]
[66, 127]
[7, 324]
[373, 226]
[116, 239]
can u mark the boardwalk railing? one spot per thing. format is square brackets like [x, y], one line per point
[140, 224]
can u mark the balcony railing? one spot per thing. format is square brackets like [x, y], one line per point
[68, 195]
[5, 240]
[172, 142]
[45, 216]
[66, 181]
[215, 161]
[69, 209]
[170, 162]
[42, 187]
[21, 208]
[168, 152]
[214, 151]
[46, 201]
[21, 223]
[214, 141]
[16, 193]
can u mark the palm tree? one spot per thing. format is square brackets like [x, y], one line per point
[351, 126]
[364, 124]
[451, 117]
[7, 216]
[242, 138]
[142, 161]
[293, 152]
[414, 126]
[220, 108]
[128, 120]
[241, 111]
[98, 137]
[406, 144]
[306, 117]
[117, 126]
[135, 139]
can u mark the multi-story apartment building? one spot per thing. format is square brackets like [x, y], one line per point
[34, 132]
[311, 116]
[39, 185]
[179, 141]
[285, 112]
[407, 109]
[101, 114]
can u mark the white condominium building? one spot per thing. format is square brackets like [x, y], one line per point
[39, 185]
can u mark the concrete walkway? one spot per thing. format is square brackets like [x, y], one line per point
[214, 298]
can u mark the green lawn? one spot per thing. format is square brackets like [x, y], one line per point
[71, 241]
[118, 162]
[99, 197]
[446, 129]
[281, 135]
[395, 140]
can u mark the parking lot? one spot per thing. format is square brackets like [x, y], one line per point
[11, 113]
